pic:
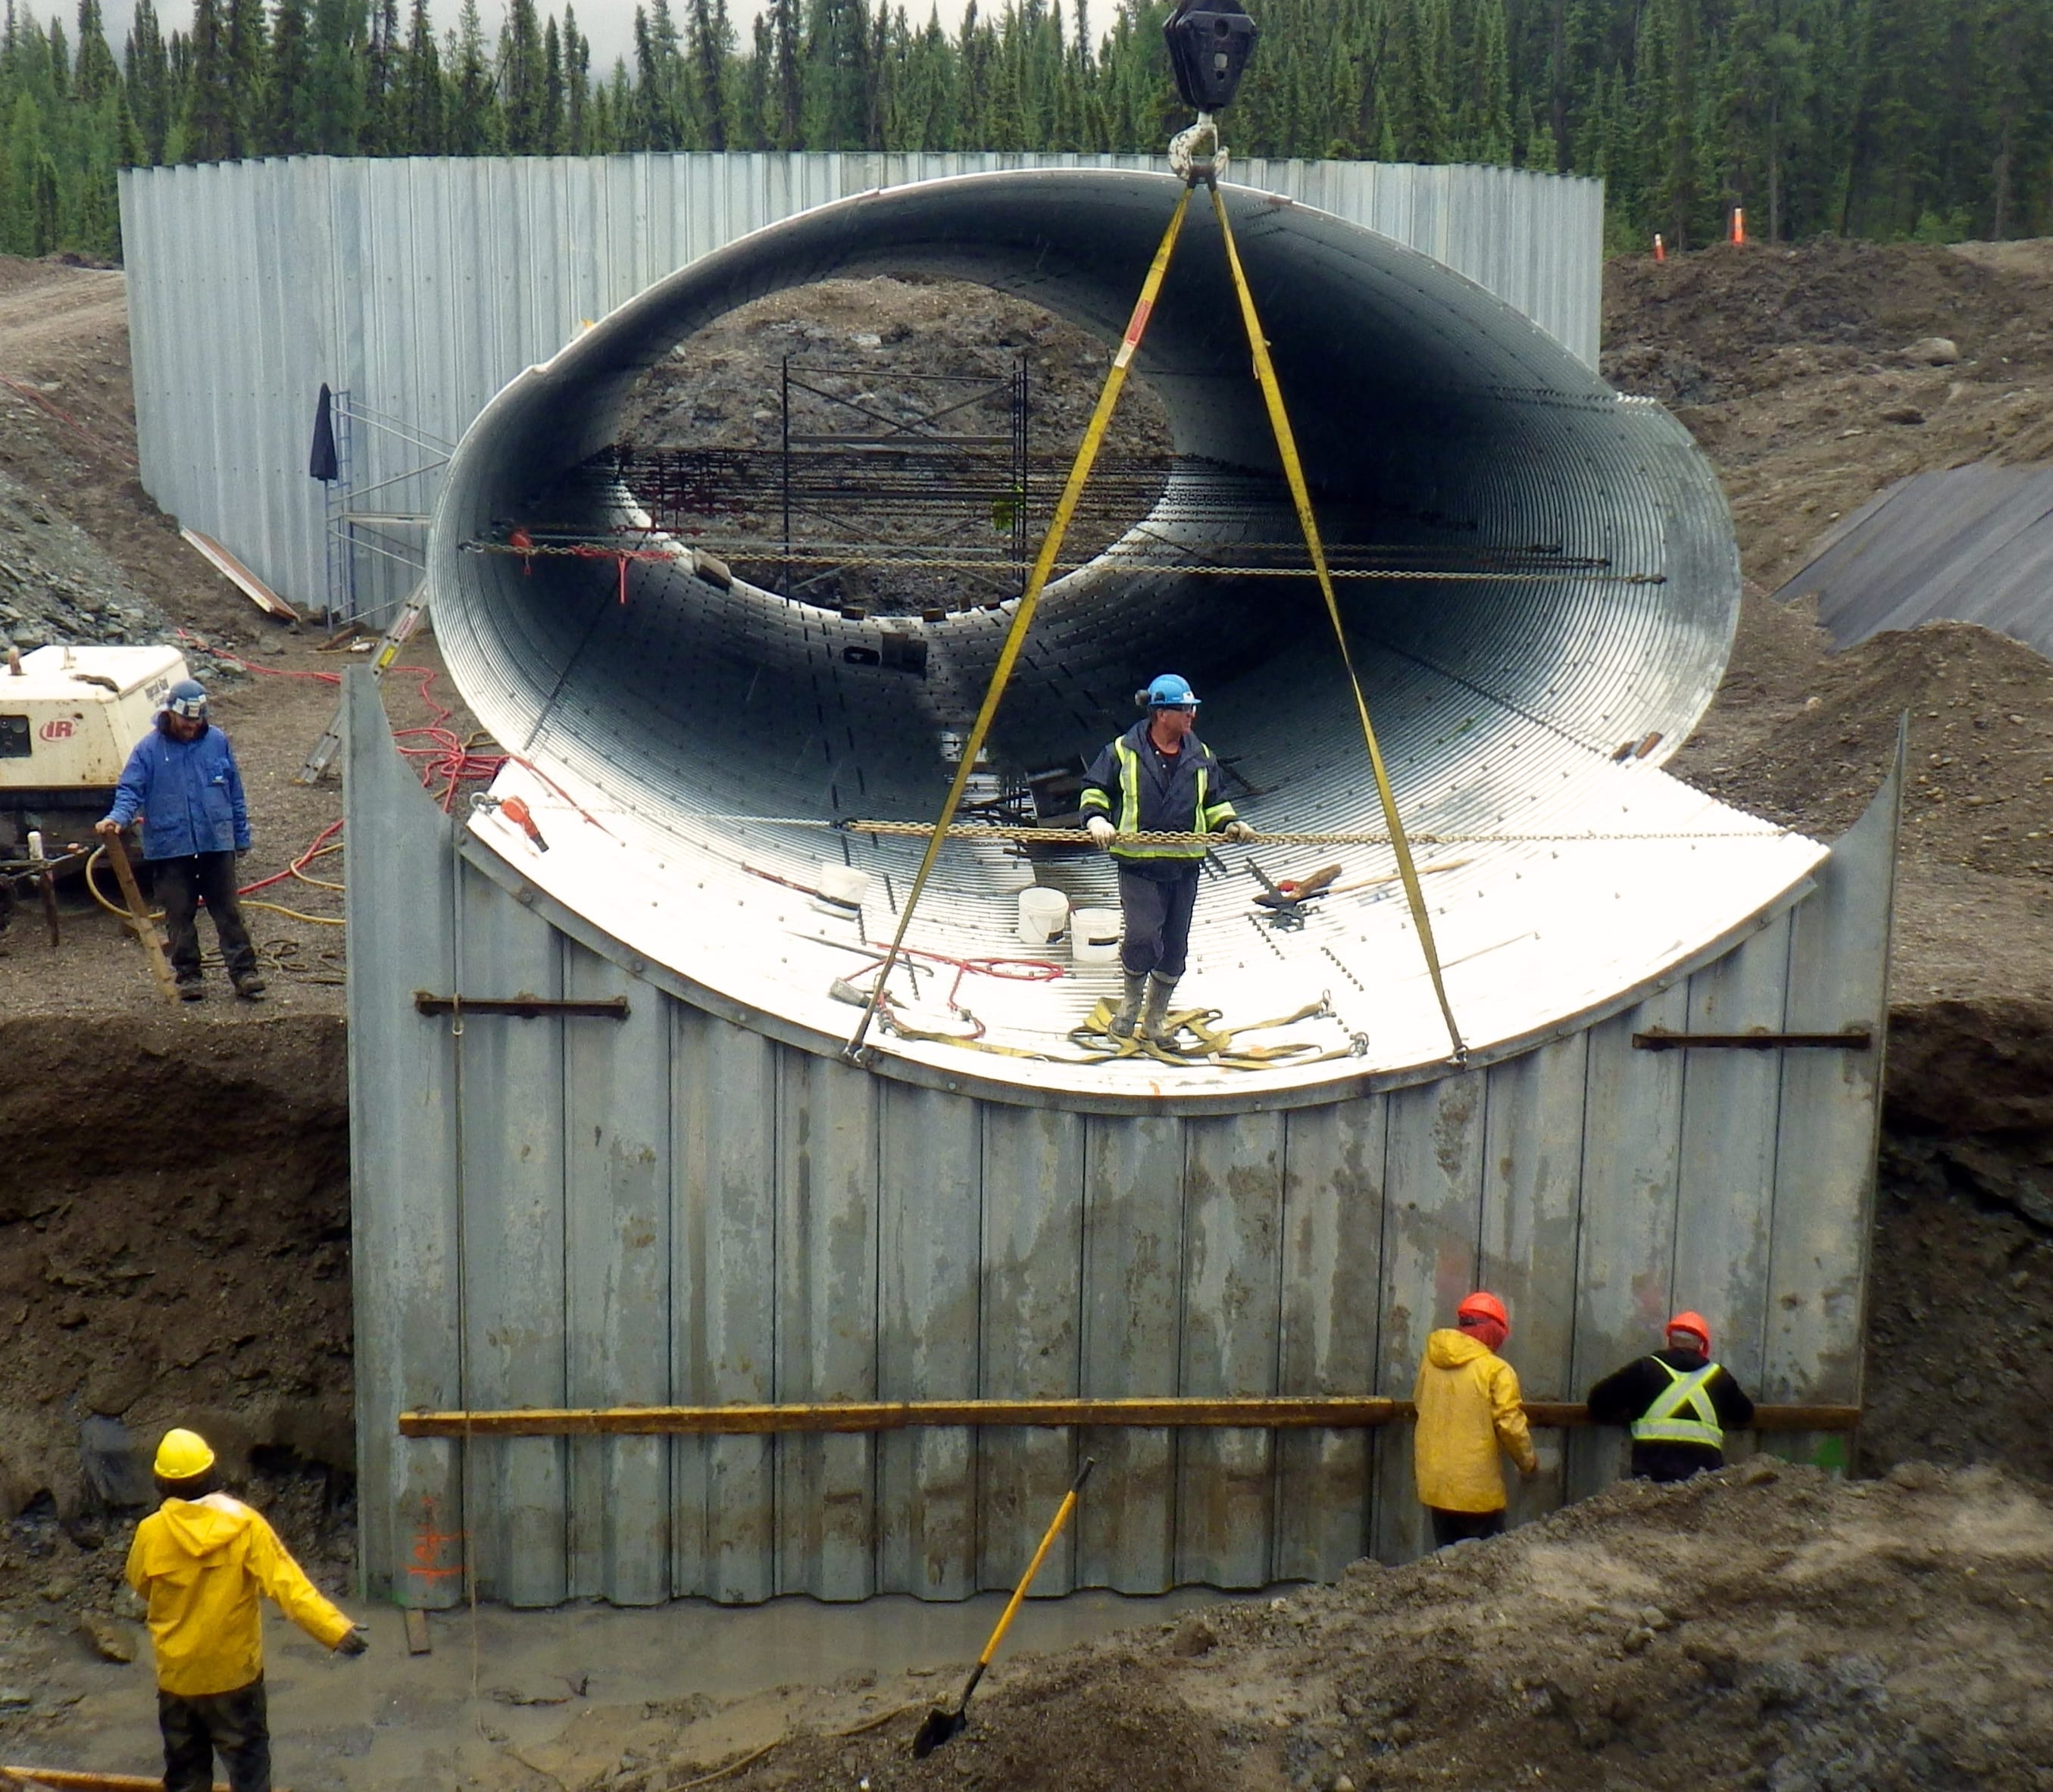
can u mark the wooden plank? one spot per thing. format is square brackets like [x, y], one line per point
[1033, 1274]
[826, 1321]
[722, 1236]
[1731, 1105]
[1276, 1412]
[1331, 1251]
[1532, 1202]
[417, 1640]
[1432, 1207]
[617, 1144]
[1232, 1309]
[1831, 1112]
[239, 575]
[514, 1268]
[1625, 1251]
[1132, 1271]
[930, 1198]
[140, 924]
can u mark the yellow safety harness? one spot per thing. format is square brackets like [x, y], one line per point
[1065, 506]
[1687, 1391]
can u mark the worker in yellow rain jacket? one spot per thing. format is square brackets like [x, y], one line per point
[199, 1560]
[1469, 1408]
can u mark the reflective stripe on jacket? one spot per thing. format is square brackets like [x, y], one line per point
[1125, 785]
[1663, 1422]
[200, 1564]
[189, 794]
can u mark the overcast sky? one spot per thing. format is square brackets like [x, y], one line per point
[609, 24]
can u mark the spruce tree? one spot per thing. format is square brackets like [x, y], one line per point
[422, 107]
[288, 128]
[247, 43]
[147, 68]
[96, 76]
[209, 125]
[520, 78]
[474, 124]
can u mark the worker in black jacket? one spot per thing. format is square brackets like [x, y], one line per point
[1157, 778]
[1678, 1404]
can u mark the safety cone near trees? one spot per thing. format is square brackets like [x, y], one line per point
[1660, 251]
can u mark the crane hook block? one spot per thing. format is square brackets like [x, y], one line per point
[1210, 42]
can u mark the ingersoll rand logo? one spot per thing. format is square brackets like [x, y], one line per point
[61, 728]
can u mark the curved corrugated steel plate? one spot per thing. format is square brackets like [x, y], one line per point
[657, 733]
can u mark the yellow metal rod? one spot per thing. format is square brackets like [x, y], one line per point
[1261, 1413]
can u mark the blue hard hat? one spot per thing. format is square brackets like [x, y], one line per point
[187, 698]
[1172, 691]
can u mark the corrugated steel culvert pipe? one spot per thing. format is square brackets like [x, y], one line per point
[1441, 430]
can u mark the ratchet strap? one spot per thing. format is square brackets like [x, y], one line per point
[1086, 457]
[1293, 471]
[1015, 638]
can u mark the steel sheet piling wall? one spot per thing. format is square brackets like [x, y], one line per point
[671, 1209]
[423, 285]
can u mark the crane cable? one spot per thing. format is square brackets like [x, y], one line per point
[1015, 637]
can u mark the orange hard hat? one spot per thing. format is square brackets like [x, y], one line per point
[1694, 1322]
[1484, 1305]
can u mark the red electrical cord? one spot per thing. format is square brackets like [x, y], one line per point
[445, 760]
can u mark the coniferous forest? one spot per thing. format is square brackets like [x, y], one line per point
[1874, 118]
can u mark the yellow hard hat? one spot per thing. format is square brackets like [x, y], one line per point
[182, 1455]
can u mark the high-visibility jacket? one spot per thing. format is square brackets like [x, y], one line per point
[1682, 1412]
[200, 1565]
[1142, 790]
[1664, 1399]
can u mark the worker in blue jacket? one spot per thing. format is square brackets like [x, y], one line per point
[182, 780]
[1157, 778]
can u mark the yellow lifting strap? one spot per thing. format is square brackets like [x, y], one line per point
[1293, 471]
[1015, 638]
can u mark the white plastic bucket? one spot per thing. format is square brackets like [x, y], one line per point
[1043, 913]
[1094, 936]
[842, 883]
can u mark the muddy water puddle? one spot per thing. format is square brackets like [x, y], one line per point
[514, 1699]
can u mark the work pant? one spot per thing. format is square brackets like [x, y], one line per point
[181, 884]
[233, 1725]
[1461, 1527]
[1157, 935]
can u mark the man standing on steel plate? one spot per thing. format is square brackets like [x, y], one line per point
[1678, 1404]
[1157, 778]
[182, 780]
[199, 1560]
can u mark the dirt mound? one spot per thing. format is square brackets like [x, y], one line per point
[1793, 368]
[1766, 1626]
[173, 1243]
[1808, 750]
[1960, 1294]
[1728, 321]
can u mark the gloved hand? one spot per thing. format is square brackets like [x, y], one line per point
[353, 1643]
[1236, 831]
[107, 826]
[1102, 831]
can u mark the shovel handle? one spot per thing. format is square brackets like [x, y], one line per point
[1019, 1593]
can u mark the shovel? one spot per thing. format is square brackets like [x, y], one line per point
[941, 1723]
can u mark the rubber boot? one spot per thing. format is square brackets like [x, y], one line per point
[1154, 1018]
[1121, 1026]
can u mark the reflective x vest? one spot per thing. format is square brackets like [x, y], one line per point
[1681, 1412]
[1143, 806]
